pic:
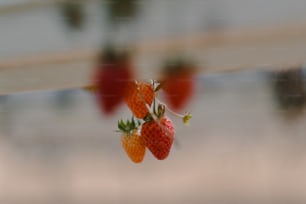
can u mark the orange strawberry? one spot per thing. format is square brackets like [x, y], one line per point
[138, 96]
[158, 136]
[131, 141]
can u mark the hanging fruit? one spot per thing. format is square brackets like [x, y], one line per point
[158, 134]
[178, 83]
[139, 97]
[111, 77]
[155, 127]
[132, 141]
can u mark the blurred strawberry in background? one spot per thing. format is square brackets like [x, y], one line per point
[111, 76]
[178, 83]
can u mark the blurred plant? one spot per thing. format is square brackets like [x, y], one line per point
[121, 10]
[73, 13]
[290, 91]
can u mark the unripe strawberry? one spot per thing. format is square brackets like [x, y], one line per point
[131, 141]
[138, 97]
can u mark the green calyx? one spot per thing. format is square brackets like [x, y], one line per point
[159, 113]
[128, 126]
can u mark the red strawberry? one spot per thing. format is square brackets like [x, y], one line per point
[138, 96]
[178, 84]
[131, 141]
[158, 136]
[111, 78]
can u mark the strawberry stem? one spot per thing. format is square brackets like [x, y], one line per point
[154, 106]
[159, 86]
[186, 117]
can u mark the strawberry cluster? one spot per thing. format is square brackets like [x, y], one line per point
[153, 129]
[114, 84]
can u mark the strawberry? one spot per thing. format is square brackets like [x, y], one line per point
[158, 136]
[131, 141]
[138, 96]
[178, 84]
[110, 79]
[134, 146]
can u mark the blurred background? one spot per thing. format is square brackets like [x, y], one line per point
[246, 140]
